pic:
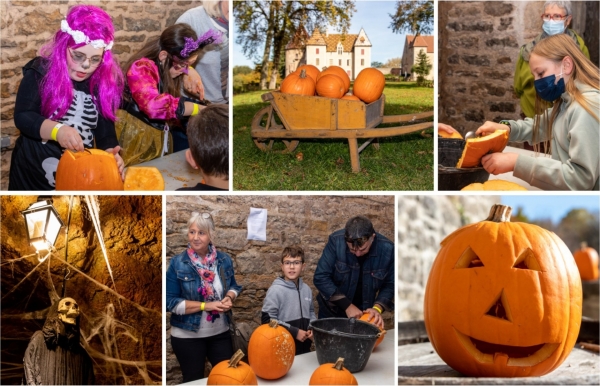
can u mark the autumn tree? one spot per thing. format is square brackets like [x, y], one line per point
[271, 24]
[393, 63]
[422, 68]
[415, 17]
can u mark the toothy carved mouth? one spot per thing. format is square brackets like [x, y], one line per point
[486, 352]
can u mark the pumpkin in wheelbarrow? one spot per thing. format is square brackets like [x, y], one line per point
[91, 169]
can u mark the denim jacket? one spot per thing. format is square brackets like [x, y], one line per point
[182, 284]
[338, 269]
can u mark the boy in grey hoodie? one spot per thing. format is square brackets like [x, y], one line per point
[289, 300]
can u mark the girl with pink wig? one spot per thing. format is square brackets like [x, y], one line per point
[67, 99]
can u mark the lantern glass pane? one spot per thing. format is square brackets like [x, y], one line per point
[40, 245]
[36, 223]
[53, 228]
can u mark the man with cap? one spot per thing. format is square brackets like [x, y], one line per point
[355, 274]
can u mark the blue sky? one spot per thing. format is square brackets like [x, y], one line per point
[551, 207]
[370, 15]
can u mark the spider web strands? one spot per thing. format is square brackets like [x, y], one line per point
[92, 203]
[11, 370]
[107, 289]
[25, 278]
[11, 261]
[97, 354]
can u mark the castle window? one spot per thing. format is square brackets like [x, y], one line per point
[362, 62]
[362, 51]
[317, 51]
[317, 61]
[340, 49]
[340, 62]
[348, 62]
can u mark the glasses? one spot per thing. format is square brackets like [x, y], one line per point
[358, 244]
[178, 64]
[555, 17]
[289, 263]
[80, 58]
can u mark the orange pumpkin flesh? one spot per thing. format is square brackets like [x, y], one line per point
[330, 86]
[232, 372]
[311, 71]
[143, 178]
[586, 259]
[336, 70]
[494, 185]
[455, 134]
[366, 317]
[298, 83]
[332, 374]
[271, 351]
[503, 299]
[369, 85]
[476, 148]
[91, 169]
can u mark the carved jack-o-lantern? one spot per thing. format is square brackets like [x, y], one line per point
[503, 299]
[68, 310]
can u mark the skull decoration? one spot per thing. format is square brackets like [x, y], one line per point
[503, 299]
[68, 310]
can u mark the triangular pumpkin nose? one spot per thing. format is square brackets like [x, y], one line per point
[500, 308]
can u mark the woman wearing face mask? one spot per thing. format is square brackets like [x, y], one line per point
[556, 20]
[570, 81]
[154, 80]
[68, 99]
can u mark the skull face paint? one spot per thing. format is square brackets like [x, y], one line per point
[68, 310]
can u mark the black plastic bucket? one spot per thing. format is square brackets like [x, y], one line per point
[350, 339]
[449, 176]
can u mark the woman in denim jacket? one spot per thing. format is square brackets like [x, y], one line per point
[201, 289]
[355, 274]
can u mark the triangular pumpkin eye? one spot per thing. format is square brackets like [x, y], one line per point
[527, 260]
[500, 308]
[469, 259]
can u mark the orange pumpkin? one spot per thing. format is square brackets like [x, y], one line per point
[503, 299]
[298, 83]
[335, 70]
[91, 169]
[454, 134]
[143, 178]
[232, 372]
[586, 259]
[369, 85]
[498, 185]
[366, 317]
[351, 97]
[311, 71]
[330, 86]
[332, 374]
[271, 351]
[476, 148]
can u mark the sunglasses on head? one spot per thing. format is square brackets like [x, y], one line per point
[357, 242]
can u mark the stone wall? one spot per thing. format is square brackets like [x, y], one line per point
[423, 222]
[479, 45]
[304, 220]
[26, 25]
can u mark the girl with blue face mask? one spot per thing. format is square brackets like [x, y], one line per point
[568, 82]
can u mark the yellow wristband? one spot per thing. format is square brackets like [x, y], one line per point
[55, 129]
[202, 306]
[378, 309]
[195, 110]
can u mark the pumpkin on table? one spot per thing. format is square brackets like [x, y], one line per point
[586, 259]
[503, 299]
[271, 351]
[298, 83]
[143, 178]
[498, 185]
[365, 318]
[332, 374]
[368, 85]
[91, 169]
[232, 372]
[330, 86]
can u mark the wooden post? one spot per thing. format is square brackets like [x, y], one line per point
[354, 160]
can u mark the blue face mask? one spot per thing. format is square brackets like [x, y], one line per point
[546, 88]
[553, 27]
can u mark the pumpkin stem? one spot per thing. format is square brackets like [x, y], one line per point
[273, 323]
[499, 213]
[339, 364]
[236, 358]
[303, 74]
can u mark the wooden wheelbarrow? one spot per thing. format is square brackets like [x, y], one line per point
[290, 117]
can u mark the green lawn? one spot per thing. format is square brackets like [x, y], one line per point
[403, 162]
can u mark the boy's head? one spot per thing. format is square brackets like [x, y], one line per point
[292, 262]
[208, 136]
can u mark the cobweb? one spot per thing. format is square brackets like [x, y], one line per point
[104, 335]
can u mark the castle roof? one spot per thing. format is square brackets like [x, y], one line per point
[331, 41]
[421, 41]
[299, 39]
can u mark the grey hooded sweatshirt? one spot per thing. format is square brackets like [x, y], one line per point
[292, 307]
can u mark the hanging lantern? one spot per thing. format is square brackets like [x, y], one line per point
[43, 224]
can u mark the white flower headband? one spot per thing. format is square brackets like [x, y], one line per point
[80, 37]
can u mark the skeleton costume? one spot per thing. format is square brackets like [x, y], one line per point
[34, 161]
[54, 355]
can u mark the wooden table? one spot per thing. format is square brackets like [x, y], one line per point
[419, 364]
[380, 369]
[509, 176]
[175, 170]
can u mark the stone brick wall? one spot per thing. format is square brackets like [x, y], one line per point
[423, 222]
[304, 220]
[26, 25]
[479, 45]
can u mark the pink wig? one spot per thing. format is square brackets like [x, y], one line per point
[106, 83]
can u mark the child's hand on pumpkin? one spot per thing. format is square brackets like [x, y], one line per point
[120, 163]
[69, 138]
[489, 127]
[498, 163]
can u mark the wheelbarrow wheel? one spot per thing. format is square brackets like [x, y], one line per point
[265, 119]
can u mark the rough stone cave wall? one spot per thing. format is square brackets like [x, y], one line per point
[303, 220]
[132, 231]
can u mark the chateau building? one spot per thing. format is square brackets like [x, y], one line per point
[412, 46]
